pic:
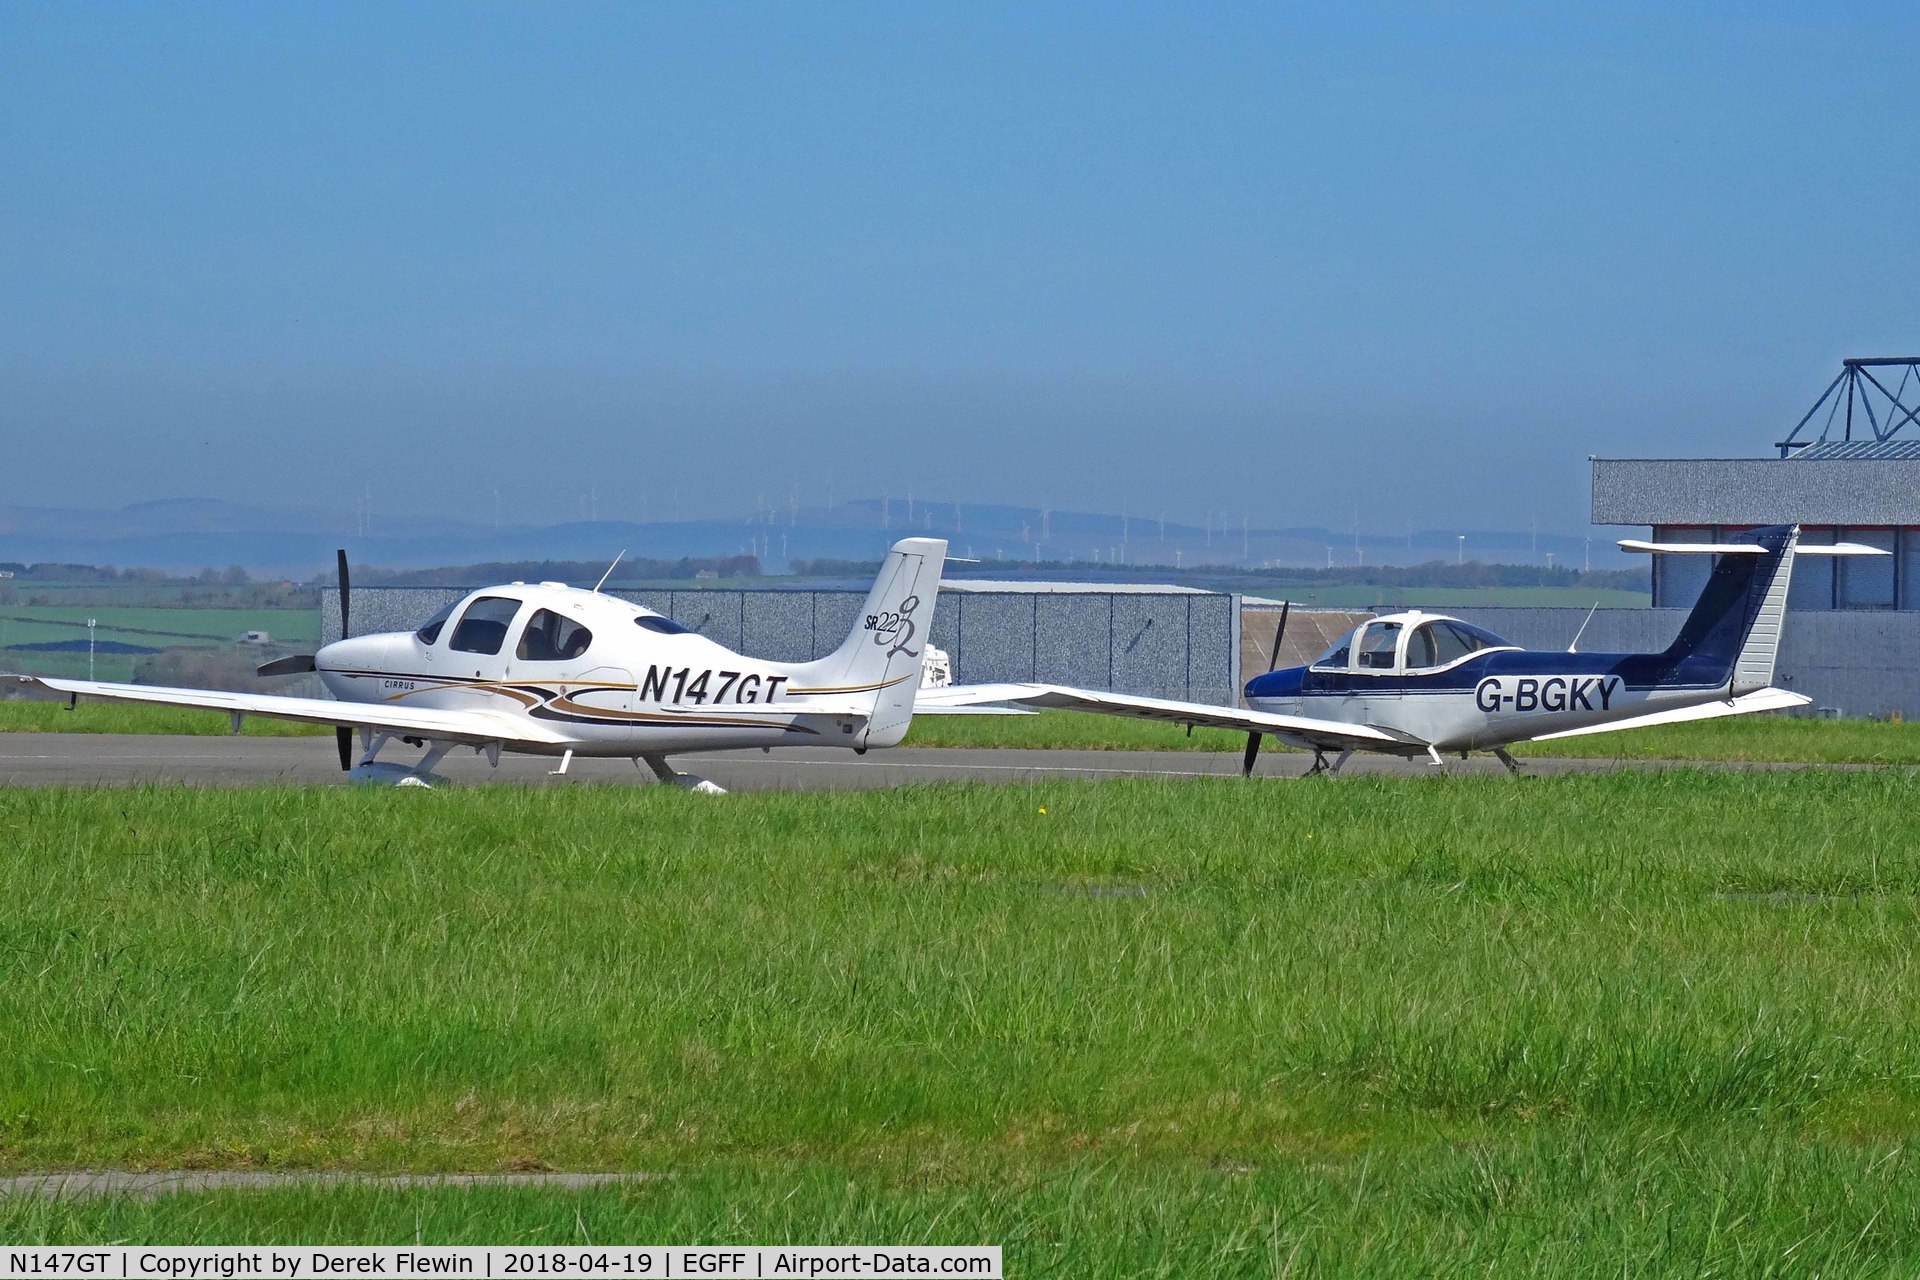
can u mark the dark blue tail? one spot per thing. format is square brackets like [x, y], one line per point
[1733, 633]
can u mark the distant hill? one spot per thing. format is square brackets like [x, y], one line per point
[188, 534]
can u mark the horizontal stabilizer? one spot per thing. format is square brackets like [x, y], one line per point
[1746, 548]
[1745, 704]
[1695, 548]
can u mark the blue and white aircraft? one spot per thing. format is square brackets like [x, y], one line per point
[1422, 684]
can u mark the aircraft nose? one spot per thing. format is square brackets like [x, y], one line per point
[335, 656]
[1284, 683]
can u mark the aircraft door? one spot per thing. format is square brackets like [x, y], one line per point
[554, 672]
[1377, 672]
[477, 658]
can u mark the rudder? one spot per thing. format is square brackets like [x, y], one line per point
[883, 653]
[1734, 628]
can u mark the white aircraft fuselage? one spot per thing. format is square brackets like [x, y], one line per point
[545, 669]
[613, 678]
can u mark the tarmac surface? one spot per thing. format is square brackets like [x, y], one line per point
[80, 759]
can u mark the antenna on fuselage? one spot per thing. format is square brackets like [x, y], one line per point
[1575, 646]
[609, 572]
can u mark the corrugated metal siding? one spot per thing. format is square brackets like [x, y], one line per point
[1651, 491]
[1178, 644]
[1859, 450]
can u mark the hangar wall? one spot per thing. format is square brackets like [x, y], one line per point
[1174, 644]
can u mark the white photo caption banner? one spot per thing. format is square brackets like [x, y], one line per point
[649, 1262]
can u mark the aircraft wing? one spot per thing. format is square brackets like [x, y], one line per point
[1759, 700]
[476, 727]
[1301, 731]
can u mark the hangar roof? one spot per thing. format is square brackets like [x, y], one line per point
[1874, 485]
[1861, 450]
[1029, 586]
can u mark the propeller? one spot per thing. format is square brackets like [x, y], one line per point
[1279, 634]
[1273, 660]
[300, 664]
[341, 561]
[342, 735]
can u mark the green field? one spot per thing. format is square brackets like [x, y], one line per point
[93, 715]
[1759, 738]
[157, 628]
[1642, 1023]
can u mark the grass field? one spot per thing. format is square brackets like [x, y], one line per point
[95, 716]
[1652, 1023]
[156, 627]
[1744, 738]
[1749, 738]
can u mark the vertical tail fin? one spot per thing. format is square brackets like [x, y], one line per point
[883, 653]
[1733, 633]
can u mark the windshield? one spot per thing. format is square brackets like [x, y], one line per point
[483, 628]
[1335, 656]
[430, 629]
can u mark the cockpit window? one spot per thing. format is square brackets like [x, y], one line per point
[1420, 648]
[550, 637]
[1451, 642]
[483, 628]
[430, 629]
[665, 626]
[1377, 644]
[1335, 657]
[1479, 636]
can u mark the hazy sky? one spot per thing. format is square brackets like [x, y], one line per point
[1279, 261]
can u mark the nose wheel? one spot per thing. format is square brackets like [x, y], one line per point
[691, 782]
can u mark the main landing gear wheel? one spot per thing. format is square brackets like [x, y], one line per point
[1320, 764]
[385, 773]
[691, 782]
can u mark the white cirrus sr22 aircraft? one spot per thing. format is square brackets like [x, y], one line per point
[1414, 684]
[551, 670]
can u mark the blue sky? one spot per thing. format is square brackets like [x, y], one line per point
[1288, 264]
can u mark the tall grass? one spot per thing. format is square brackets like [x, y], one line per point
[1743, 738]
[1450, 1001]
[1553, 1199]
[91, 715]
